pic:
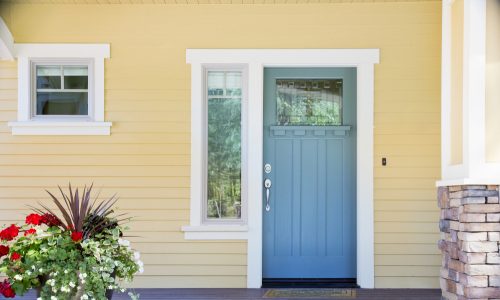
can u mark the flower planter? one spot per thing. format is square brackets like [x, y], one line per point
[76, 254]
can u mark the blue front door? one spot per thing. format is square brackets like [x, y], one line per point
[310, 156]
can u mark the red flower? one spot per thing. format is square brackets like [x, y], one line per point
[9, 233]
[76, 236]
[4, 250]
[15, 256]
[34, 219]
[6, 290]
[50, 220]
[29, 231]
[9, 293]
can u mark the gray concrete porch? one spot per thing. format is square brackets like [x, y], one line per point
[252, 294]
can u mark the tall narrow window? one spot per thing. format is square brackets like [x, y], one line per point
[224, 105]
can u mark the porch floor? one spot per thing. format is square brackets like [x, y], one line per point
[252, 294]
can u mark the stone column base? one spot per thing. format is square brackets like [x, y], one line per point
[470, 235]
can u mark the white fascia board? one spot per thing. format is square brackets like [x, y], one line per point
[6, 42]
[278, 57]
[62, 50]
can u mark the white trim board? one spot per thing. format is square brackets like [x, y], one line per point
[6, 42]
[92, 55]
[256, 60]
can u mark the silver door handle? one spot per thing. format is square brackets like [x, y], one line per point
[267, 185]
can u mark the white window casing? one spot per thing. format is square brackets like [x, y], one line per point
[93, 56]
[255, 60]
[200, 226]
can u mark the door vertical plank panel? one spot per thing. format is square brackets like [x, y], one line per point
[281, 197]
[334, 197]
[296, 213]
[322, 185]
[308, 197]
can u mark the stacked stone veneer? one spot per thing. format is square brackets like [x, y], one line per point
[470, 235]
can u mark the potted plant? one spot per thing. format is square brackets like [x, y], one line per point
[74, 252]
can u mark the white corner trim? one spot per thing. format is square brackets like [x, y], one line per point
[62, 50]
[6, 42]
[60, 128]
[474, 169]
[256, 60]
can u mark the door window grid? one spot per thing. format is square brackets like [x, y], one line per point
[309, 101]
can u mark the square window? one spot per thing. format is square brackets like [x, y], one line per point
[60, 90]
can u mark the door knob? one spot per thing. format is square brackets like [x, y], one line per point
[267, 185]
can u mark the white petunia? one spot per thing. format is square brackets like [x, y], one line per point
[123, 242]
[72, 284]
[53, 298]
[137, 255]
[18, 277]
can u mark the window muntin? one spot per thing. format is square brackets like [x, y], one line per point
[61, 90]
[224, 154]
[309, 101]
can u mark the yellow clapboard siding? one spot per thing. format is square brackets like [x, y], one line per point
[404, 260]
[395, 149]
[393, 172]
[422, 227]
[405, 183]
[117, 138]
[125, 193]
[8, 105]
[192, 247]
[407, 139]
[104, 183]
[381, 205]
[221, 259]
[408, 194]
[136, 215]
[404, 216]
[425, 128]
[8, 94]
[408, 282]
[408, 161]
[196, 270]
[407, 271]
[94, 160]
[407, 249]
[8, 84]
[147, 97]
[88, 149]
[406, 238]
[125, 202]
[189, 282]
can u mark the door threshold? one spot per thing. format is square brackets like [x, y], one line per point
[309, 283]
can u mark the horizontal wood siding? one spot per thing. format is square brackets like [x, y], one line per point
[146, 160]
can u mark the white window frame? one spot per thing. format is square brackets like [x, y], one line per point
[28, 55]
[200, 226]
[204, 217]
[256, 60]
[62, 63]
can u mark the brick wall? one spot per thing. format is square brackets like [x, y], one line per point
[470, 235]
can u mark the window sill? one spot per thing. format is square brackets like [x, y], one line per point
[216, 232]
[60, 128]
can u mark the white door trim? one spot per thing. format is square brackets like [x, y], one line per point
[257, 60]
